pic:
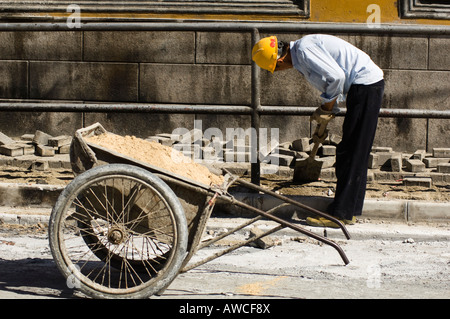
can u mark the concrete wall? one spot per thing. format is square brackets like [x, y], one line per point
[205, 68]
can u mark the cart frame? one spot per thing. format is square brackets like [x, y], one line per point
[86, 155]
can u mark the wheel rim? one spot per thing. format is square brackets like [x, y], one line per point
[117, 235]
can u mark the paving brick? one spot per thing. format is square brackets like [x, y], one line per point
[65, 149]
[41, 137]
[28, 149]
[332, 139]
[11, 150]
[443, 168]
[373, 160]
[327, 161]
[432, 162]
[59, 140]
[417, 181]
[419, 154]
[381, 149]
[328, 150]
[5, 139]
[284, 151]
[396, 163]
[263, 242]
[43, 150]
[413, 165]
[40, 166]
[280, 159]
[27, 137]
[441, 152]
[302, 145]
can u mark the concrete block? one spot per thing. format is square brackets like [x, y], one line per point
[28, 149]
[263, 242]
[65, 149]
[41, 138]
[41, 45]
[302, 144]
[59, 141]
[84, 81]
[332, 139]
[11, 150]
[280, 159]
[27, 137]
[210, 47]
[431, 162]
[385, 209]
[174, 137]
[150, 46]
[419, 155]
[13, 82]
[5, 139]
[396, 163]
[441, 152]
[327, 161]
[395, 52]
[202, 84]
[417, 181]
[40, 166]
[43, 150]
[443, 168]
[415, 166]
[422, 212]
[439, 58]
[328, 150]
[284, 151]
[373, 160]
[381, 149]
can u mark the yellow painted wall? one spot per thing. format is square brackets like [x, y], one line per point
[350, 11]
[338, 11]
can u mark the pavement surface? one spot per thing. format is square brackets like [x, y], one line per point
[397, 250]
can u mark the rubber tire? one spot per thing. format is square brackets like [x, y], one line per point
[78, 184]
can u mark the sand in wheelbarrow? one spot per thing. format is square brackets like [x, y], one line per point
[158, 155]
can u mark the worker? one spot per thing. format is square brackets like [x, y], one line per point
[341, 72]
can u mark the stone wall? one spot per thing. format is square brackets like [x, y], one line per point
[206, 68]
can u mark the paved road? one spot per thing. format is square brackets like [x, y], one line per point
[387, 260]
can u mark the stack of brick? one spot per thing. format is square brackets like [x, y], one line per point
[418, 162]
[194, 145]
[38, 145]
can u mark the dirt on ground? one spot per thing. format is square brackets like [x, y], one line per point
[384, 189]
[380, 189]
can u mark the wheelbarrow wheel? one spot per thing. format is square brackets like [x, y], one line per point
[118, 231]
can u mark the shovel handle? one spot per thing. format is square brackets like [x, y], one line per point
[320, 131]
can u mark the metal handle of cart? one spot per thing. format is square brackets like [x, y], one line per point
[268, 215]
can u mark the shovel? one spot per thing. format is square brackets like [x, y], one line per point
[308, 170]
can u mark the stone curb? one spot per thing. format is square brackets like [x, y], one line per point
[44, 196]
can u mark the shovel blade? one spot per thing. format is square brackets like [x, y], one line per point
[307, 170]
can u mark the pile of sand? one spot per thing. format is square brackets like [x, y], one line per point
[157, 155]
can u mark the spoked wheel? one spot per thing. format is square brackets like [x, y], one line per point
[118, 231]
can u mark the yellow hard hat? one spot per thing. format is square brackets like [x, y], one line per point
[265, 53]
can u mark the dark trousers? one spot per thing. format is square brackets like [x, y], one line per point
[352, 153]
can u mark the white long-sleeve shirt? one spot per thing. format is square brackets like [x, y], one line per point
[332, 65]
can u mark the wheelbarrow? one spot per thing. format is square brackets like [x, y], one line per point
[123, 228]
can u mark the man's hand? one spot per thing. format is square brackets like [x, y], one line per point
[322, 116]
